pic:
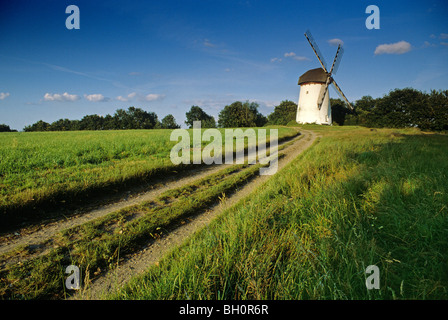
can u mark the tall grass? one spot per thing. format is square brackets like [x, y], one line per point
[37, 271]
[40, 168]
[357, 198]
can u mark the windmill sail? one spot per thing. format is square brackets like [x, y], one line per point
[323, 92]
[337, 60]
[341, 94]
[316, 50]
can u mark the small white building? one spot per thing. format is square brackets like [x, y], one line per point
[312, 86]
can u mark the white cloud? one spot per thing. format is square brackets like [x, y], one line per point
[427, 44]
[148, 97]
[300, 58]
[393, 48]
[267, 103]
[335, 42]
[444, 36]
[61, 97]
[4, 95]
[153, 97]
[444, 43]
[276, 60]
[96, 97]
[294, 56]
[127, 98]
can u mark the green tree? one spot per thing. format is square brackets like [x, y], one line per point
[285, 112]
[400, 108]
[168, 122]
[61, 125]
[6, 128]
[339, 111]
[91, 122]
[364, 113]
[110, 123]
[239, 114]
[260, 120]
[135, 118]
[437, 105]
[197, 114]
[38, 126]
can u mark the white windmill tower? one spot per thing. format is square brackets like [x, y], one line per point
[314, 101]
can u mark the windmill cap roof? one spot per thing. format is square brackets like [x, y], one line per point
[313, 75]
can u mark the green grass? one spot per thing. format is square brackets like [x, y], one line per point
[98, 245]
[42, 168]
[357, 198]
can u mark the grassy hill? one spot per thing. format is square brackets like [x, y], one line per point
[358, 197]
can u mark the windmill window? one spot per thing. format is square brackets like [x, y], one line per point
[307, 92]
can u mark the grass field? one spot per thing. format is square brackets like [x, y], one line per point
[53, 168]
[357, 198]
[98, 244]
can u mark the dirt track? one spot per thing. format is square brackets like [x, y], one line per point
[154, 250]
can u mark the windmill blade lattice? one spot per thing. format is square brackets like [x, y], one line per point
[337, 60]
[316, 50]
[341, 94]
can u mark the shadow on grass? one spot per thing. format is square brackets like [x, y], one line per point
[63, 204]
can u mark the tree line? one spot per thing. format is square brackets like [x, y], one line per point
[399, 108]
[237, 114]
[132, 118]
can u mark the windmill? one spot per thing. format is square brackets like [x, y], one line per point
[314, 101]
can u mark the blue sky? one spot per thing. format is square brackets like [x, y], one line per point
[165, 56]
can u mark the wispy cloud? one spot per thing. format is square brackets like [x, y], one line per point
[140, 97]
[153, 97]
[335, 42]
[294, 56]
[61, 97]
[4, 95]
[266, 103]
[67, 70]
[276, 59]
[96, 97]
[207, 43]
[427, 44]
[393, 48]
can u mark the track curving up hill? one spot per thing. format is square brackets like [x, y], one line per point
[39, 241]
